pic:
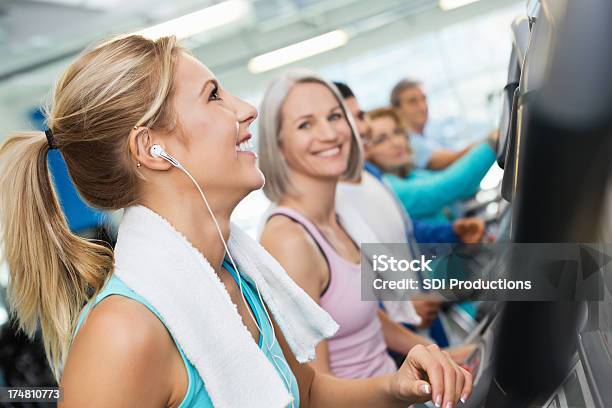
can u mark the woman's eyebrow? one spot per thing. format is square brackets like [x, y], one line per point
[309, 115]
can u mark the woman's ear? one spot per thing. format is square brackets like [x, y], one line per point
[141, 139]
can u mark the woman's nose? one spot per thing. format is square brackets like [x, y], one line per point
[245, 111]
[398, 142]
[327, 131]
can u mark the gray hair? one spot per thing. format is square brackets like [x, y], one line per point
[271, 160]
[400, 87]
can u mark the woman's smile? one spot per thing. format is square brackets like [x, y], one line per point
[244, 145]
[330, 152]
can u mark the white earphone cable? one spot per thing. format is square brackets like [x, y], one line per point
[224, 244]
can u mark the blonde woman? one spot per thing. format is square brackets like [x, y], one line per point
[144, 126]
[307, 144]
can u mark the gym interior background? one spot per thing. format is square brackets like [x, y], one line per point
[461, 54]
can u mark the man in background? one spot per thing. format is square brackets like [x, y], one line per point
[410, 102]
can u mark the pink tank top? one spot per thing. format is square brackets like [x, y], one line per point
[358, 349]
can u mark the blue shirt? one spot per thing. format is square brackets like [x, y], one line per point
[425, 193]
[196, 395]
[423, 148]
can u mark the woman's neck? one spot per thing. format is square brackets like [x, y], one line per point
[396, 172]
[313, 198]
[386, 170]
[188, 214]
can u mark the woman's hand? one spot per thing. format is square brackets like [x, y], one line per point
[429, 373]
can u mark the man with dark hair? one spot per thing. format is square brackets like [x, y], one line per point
[387, 218]
[410, 102]
[344, 89]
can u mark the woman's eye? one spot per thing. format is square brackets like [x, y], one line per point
[335, 116]
[214, 95]
[304, 125]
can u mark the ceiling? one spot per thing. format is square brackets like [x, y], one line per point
[39, 38]
[38, 33]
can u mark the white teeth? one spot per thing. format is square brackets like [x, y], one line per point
[329, 152]
[244, 146]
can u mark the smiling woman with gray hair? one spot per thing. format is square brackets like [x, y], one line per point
[272, 162]
[308, 142]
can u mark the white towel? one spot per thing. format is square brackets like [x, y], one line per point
[159, 263]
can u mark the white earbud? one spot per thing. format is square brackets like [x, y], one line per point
[158, 151]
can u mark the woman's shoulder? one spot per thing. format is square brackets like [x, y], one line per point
[279, 224]
[126, 321]
[295, 249]
[117, 304]
[284, 235]
[120, 345]
[124, 328]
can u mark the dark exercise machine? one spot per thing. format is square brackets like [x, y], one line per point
[555, 148]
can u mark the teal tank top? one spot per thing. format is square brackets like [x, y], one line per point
[196, 395]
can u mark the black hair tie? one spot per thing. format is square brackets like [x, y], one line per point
[50, 139]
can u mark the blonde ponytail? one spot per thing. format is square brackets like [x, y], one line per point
[51, 269]
[120, 83]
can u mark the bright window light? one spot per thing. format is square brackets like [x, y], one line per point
[298, 51]
[453, 4]
[203, 20]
